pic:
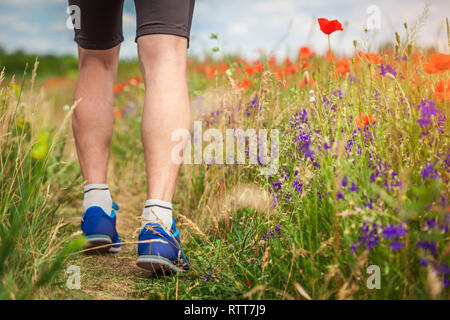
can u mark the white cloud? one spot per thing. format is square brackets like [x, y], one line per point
[15, 23]
[128, 20]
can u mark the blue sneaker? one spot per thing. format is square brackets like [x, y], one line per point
[159, 251]
[100, 229]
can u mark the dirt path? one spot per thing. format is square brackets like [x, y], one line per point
[112, 276]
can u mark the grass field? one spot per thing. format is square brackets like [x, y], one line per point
[363, 180]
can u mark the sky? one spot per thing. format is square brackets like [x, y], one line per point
[243, 26]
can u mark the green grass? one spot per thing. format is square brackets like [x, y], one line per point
[32, 252]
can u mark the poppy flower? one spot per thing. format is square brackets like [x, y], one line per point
[305, 53]
[134, 80]
[212, 72]
[292, 69]
[258, 67]
[279, 73]
[119, 88]
[330, 56]
[306, 81]
[222, 67]
[371, 57]
[342, 67]
[361, 120]
[272, 62]
[329, 26]
[439, 63]
[248, 70]
[442, 90]
[201, 68]
[244, 84]
[248, 282]
[118, 113]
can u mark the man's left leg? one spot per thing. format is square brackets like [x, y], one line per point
[166, 109]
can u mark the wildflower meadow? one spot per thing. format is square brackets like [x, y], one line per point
[357, 208]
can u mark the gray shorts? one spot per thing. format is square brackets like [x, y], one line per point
[101, 20]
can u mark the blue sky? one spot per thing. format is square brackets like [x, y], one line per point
[244, 26]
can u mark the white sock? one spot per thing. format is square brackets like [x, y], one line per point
[97, 195]
[158, 211]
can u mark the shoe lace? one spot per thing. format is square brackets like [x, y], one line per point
[176, 233]
[115, 207]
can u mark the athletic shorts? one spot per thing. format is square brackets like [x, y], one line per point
[101, 20]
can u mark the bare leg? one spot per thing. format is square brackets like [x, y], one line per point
[93, 118]
[166, 108]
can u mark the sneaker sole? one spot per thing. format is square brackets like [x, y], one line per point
[157, 264]
[98, 243]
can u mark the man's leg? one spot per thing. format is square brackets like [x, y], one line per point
[166, 108]
[93, 121]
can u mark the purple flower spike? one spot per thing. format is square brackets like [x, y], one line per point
[207, 277]
[387, 68]
[396, 245]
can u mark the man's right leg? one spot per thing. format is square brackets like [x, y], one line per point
[98, 33]
[93, 117]
[92, 127]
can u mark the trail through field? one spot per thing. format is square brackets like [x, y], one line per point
[113, 276]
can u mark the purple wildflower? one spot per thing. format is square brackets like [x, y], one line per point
[387, 68]
[396, 245]
[431, 223]
[392, 231]
[344, 181]
[208, 277]
[430, 172]
[429, 246]
[427, 111]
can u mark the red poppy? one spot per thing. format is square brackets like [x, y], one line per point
[244, 84]
[372, 57]
[212, 72]
[305, 53]
[279, 73]
[272, 62]
[119, 88]
[258, 66]
[440, 62]
[222, 67]
[329, 26]
[134, 80]
[248, 70]
[118, 113]
[442, 90]
[330, 56]
[342, 67]
[292, 69]
[248, 282]
[305, 81]
[363, 119]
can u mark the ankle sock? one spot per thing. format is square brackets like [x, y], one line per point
[158, 211]
[97, 195]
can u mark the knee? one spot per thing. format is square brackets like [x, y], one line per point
[162, 51]
[100, 60]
